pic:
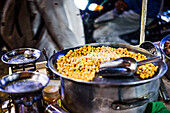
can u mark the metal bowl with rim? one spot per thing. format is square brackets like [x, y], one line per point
[17, 57]
[23, 82]
[166, 58]
[109, 95]
[131, 81]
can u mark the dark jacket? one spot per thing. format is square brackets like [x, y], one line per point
[152, 9]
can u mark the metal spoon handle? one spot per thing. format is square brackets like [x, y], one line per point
[110, 64]
[149, 60]
[114, 64]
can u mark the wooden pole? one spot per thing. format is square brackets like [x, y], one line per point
[143, 21]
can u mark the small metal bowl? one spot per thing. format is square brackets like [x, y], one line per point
[166, 58]
[23, 82]
[152, 48]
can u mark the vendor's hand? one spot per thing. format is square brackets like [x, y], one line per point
[121, 5]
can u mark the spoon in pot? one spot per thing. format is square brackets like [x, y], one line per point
[124, 66]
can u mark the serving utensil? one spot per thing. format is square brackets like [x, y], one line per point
[124, 66]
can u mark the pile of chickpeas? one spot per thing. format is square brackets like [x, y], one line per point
[84, 62]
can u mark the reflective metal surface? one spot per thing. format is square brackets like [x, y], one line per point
[109, 95]
[155, 50]
[23, 82]
[103, 98]
[166, 58]
[16, 57]
[116, 81]
[152, 48]
[124, 66]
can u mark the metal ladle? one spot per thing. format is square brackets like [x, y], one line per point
[124, 66]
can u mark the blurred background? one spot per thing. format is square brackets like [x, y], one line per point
[92, 9]
[155, 31]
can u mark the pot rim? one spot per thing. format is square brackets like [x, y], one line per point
[107, 82]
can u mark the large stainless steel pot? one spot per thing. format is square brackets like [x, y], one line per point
[166, 58]
[109, 95]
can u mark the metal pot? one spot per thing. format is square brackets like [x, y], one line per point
[109, 95]
[166, 57]
[23, 82]
[25, 90]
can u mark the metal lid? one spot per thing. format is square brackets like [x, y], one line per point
[17, 56]
[23, 82]
[51, 89]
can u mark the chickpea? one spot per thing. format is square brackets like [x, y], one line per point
[84, 62]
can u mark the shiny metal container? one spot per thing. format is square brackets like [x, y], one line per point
[109, 95]
[152, 48]
[25, 91]
[104, 98]
[166, 57]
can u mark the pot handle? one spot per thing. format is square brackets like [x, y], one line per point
[129, 103]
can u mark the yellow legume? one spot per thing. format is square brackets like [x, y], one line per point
[84, 62]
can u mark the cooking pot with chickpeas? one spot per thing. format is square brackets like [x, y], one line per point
[84, 90]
